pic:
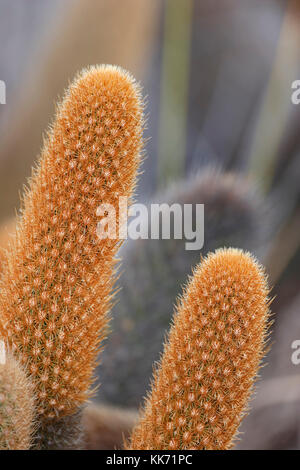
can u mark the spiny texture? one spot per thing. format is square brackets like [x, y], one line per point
[155, 270]
[57, 288]
[212, 355]
[6, 229]
[65, 433]
[16, 406]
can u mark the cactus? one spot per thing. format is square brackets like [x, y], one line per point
[155, 270]
[16, 406]
[57, 287]
[202, 385]
[66, 433]
[6, 230]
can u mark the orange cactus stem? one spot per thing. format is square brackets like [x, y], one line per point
[6, 230]
[17, 407]
[57, 287]
[202, 385]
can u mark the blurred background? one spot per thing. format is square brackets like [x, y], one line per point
[217, 77]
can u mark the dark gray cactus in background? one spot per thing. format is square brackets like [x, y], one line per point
[154, 270]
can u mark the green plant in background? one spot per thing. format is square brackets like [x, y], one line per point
[174, 90]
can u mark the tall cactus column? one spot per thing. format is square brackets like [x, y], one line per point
[57, 285]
